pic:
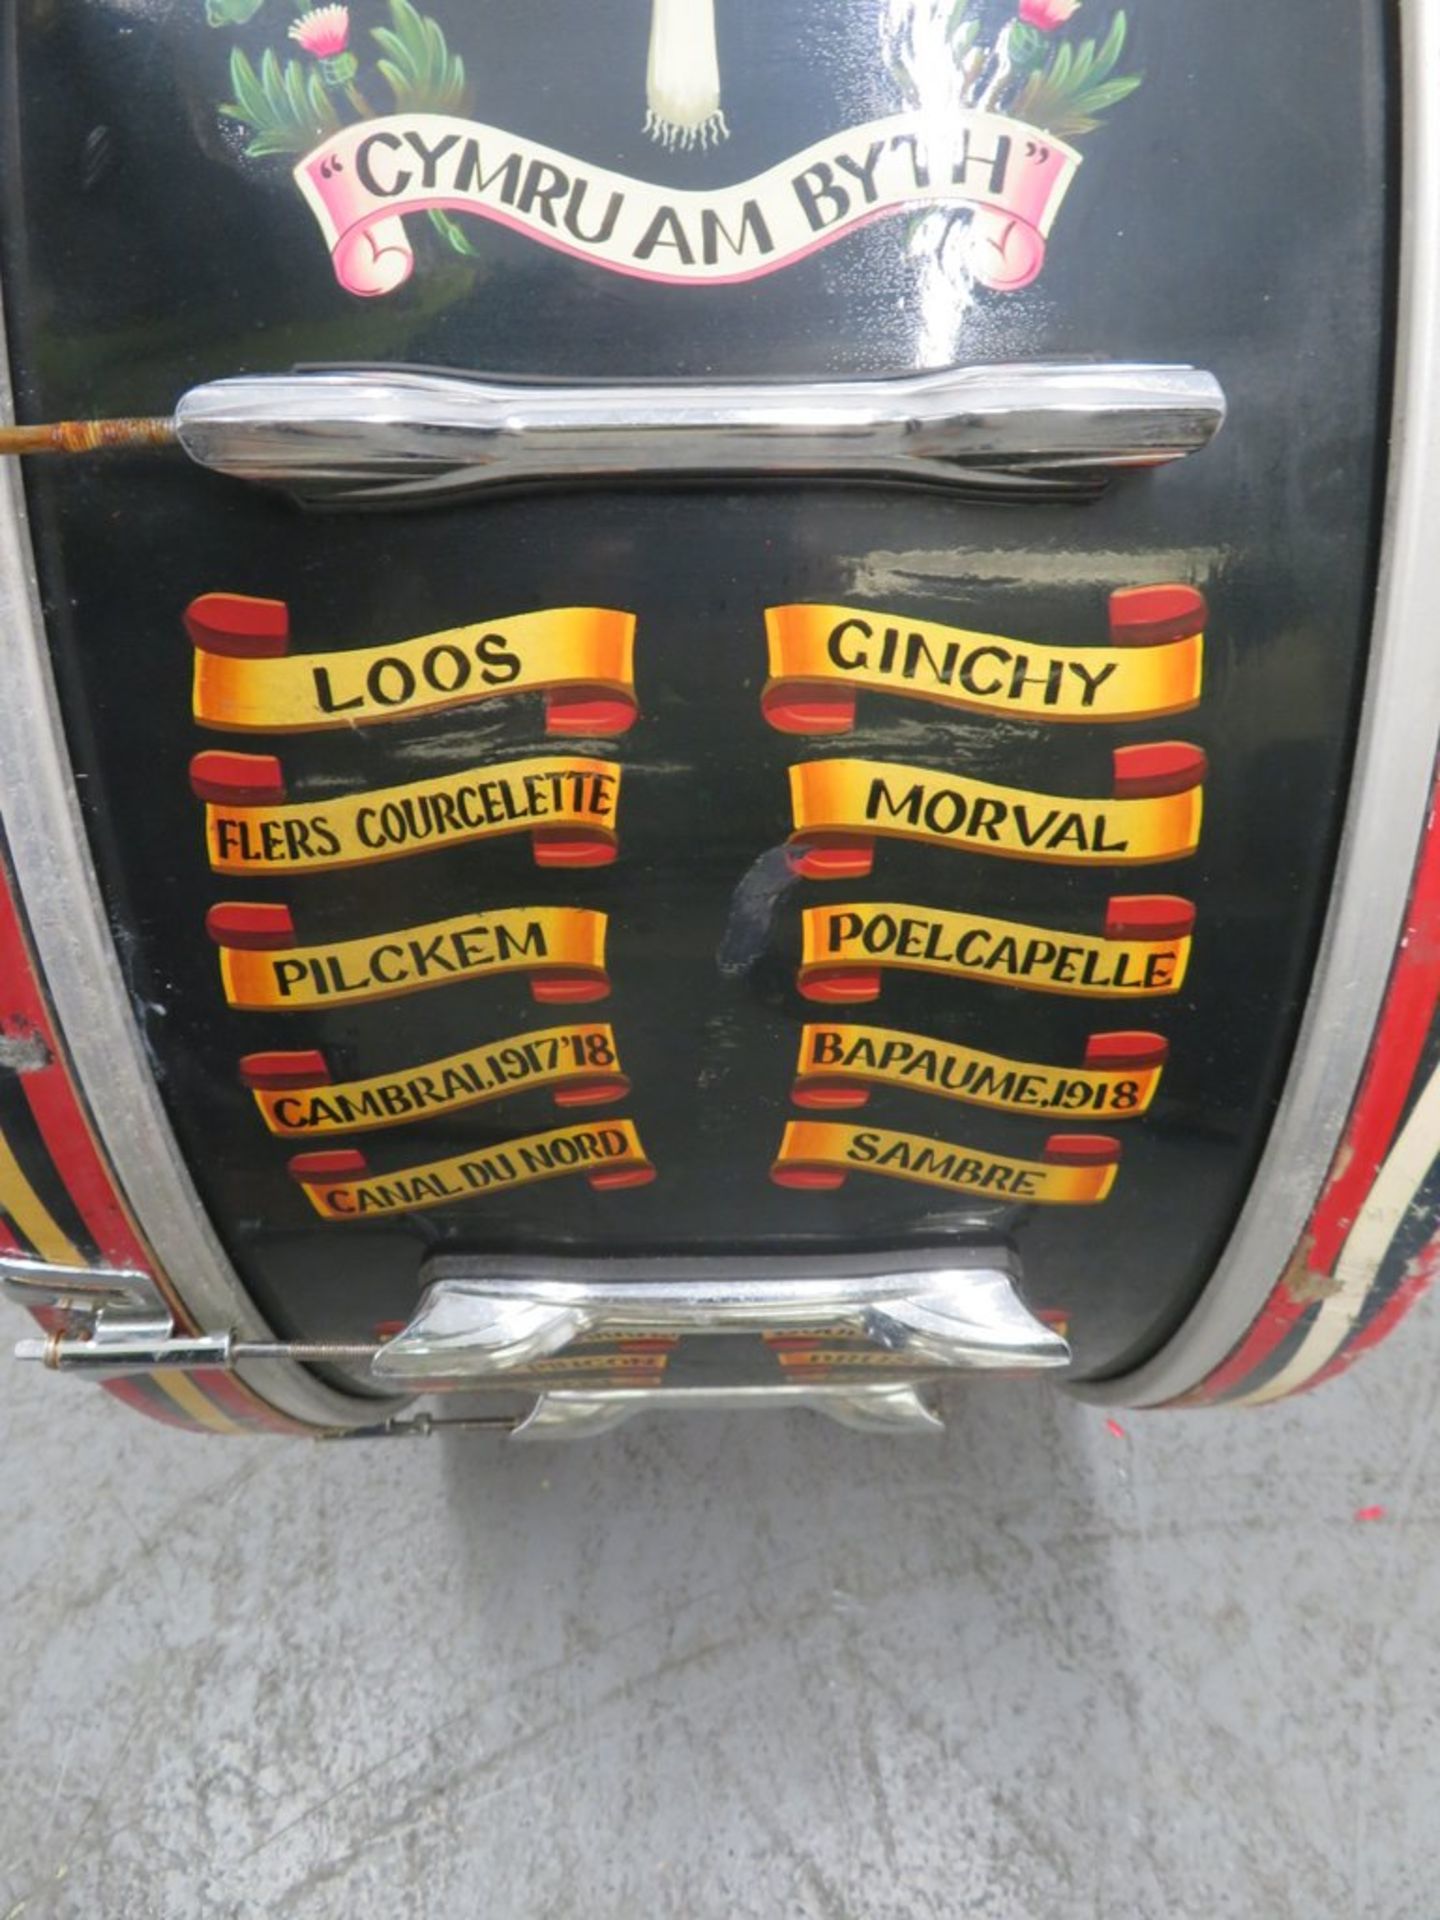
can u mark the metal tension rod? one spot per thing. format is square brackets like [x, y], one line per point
[1042, 429]
[88, 436]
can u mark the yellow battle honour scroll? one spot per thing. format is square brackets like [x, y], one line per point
[581, 659]
[1074, 1169]
[1141, 952]
[567, 803]
[298, 1096]
[840, 1064]
[842, 806]
[823, 657]
[340, 1186]
[264, 967]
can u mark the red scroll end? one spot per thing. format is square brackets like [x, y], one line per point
[833, 856]
[1149, 616]
[1148, 916]
[569, 986]
[807, 707]
[236, 624]
[840, 986]
[1081, 1150]
[339, 1164]
[237, 779]
[1165, 766]
[824, 1095]
[615, 1178]
[589, 711]
[803, 1179]
[573, 847]
[246, 923]
[1122, 1050]
[272, 1072]
[602, 1091]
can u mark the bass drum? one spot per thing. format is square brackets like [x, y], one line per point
[655, 751]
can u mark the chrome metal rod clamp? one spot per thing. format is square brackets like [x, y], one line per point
[82, 1290]
[390, 437]
[474, 1325]
[106, 1309]
[889, 1407]
[117, 1321]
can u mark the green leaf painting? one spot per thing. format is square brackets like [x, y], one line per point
[1034, 73]
[287, 109]
[231, 13]
[290, 107]
[418, 66]
[1070, 92]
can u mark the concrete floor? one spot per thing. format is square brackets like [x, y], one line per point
[729, 1668]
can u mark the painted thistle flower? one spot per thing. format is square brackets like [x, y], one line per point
[1046, 15]
[324, 31]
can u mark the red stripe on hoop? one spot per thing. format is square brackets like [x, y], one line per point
[52, 1101]
[1394, 1058]
[1395, 1050]
[72, 1148]
[1417, 1282]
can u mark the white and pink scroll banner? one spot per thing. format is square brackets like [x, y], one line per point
[364, 183]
